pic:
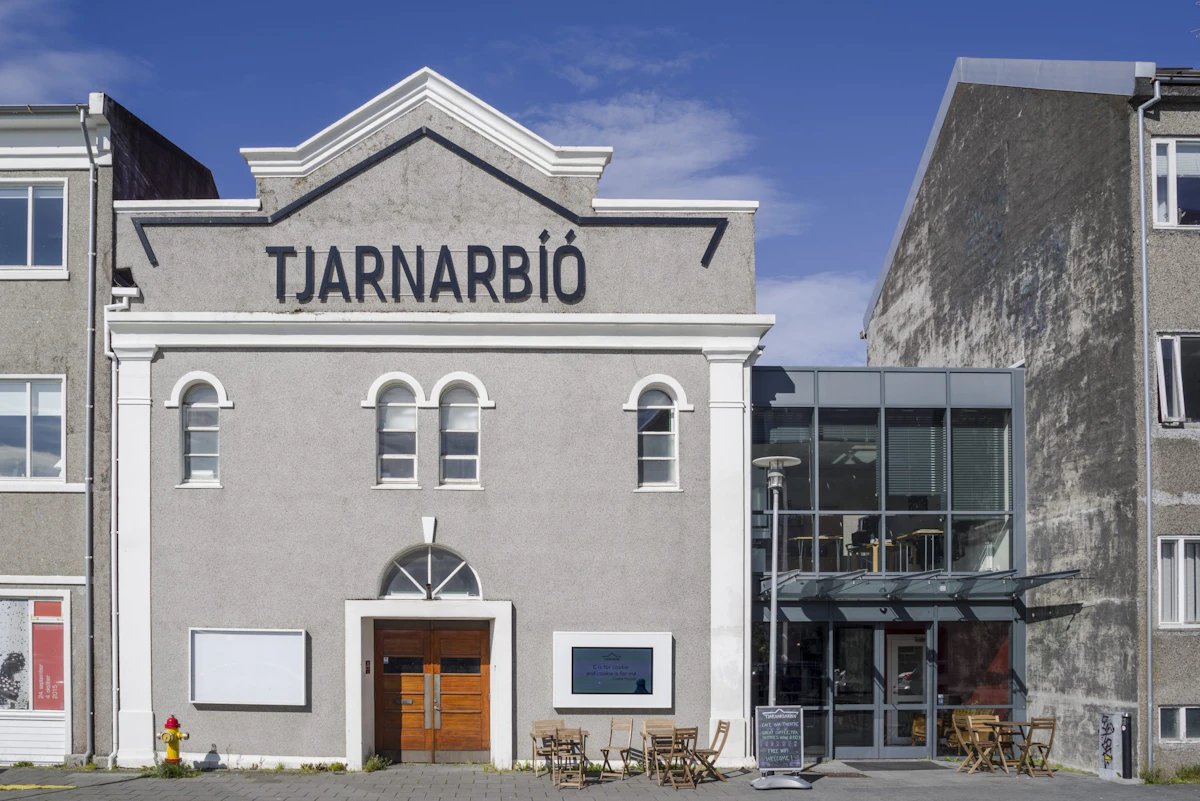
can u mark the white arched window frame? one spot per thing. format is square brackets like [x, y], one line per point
[460, 399]
[658, 399]
[395, 397]
[431, 572]
[200, 396]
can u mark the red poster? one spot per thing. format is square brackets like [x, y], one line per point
[48, 687]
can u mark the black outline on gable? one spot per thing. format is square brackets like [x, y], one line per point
[719, 224]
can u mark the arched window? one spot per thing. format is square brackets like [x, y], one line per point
[201, 427]
[460, 436]
[430, 572]
[658, 443]
[397, 436]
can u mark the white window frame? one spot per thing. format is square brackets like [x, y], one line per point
[1172, 204]
[435, 592]
[1180, 563]
[674, 432]
[7, 483]
[1181, 710]
[29, 271]
[407, 483]
[184, 480]
[1176, 389]
[68, 658]
[461, 483]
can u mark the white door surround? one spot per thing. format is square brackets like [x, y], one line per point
[360, 646]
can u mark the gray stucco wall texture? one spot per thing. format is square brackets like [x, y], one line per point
[296, 528]
[425, 195]
[1019, 247]
[43, 331]
[1174, 309]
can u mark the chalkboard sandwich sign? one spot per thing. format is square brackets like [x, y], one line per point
[779, 737]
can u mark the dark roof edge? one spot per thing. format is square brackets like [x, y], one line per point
[1095, 77]
[31, 109]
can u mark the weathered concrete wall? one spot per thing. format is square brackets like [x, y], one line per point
[1174, 309]
[1019, 247]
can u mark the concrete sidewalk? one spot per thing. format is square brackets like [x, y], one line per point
[921, 782]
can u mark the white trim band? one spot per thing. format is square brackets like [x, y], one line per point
[213, 204]
[606, 205]
[57, 581]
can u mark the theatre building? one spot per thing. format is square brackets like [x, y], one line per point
[426, 442]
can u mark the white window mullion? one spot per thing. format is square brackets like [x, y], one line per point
[29, 226]
[1180, 406]
[1173, 206]
[29, 430]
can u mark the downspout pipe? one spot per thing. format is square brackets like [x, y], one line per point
[89, 433]
[1148, 415]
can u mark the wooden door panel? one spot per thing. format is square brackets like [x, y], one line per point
[402, 662]
[461, 660]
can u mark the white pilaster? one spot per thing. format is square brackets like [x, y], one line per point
[136, 718]
[728, 405]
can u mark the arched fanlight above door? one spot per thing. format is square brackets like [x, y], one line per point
[430, 572]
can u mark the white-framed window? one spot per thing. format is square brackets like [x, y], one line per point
[32, 434]
[460, 431]
[396, 431]
[1179, 582]
[1178, 360]
[201, 432]
[1176, 188]
[431, 572]
[658, 440]
[33, 222]
[1179, 724]
[32, 654]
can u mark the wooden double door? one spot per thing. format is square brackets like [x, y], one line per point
[431, 693]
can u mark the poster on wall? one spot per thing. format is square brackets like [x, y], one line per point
[612, 671]
[14, 653]
[47, 671]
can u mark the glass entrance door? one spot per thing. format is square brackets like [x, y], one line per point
[880, 690]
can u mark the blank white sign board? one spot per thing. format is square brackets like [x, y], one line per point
[248, 666]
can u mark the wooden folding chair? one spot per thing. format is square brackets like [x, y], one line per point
[962, 737]
[675, 756]
[706, 758]
[1035, 752]
[542, 748]
[984, 742]
[570, 758]
[658, 727]
[617, 726]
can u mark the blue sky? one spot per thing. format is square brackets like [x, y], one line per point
[819, 110]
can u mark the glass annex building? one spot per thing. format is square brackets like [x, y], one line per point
[901, 552]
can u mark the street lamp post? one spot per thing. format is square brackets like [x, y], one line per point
[775, 466]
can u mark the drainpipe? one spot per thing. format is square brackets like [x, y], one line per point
[89, 432]
[1149, 426]
[126, 296]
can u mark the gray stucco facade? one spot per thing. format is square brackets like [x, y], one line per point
[300, 530]
[1021, 246]
[43, 333]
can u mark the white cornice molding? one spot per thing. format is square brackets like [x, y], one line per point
[711, 334]
[51, 142]
[221, 205]
[426, 86]
[605, 205]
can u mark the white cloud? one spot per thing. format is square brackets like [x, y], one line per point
[671, 148]
[817, 318]
[36, 68]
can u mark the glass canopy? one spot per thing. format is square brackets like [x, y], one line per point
[929, 586]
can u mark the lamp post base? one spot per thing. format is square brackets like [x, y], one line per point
[775, 781]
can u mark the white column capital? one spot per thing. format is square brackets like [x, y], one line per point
[135, 353]
[738, 354]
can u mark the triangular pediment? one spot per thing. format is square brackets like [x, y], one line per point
[426, 86]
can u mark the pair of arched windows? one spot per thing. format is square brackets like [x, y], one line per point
[458, 435]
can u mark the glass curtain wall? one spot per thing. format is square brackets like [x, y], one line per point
[904, 489]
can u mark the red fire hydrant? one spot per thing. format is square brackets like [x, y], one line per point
[172, 736]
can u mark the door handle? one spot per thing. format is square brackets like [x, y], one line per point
[404, 701]
[437, 701]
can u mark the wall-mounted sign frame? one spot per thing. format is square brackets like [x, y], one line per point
[261, 667]
[613, 670]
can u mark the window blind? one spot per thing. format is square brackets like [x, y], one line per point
[981, 456]
[916, 452]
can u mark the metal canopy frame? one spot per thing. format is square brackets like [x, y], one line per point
[929, 586]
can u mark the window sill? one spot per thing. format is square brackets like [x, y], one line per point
[199, 485]
[468, 487]
[1179, 626]
[34, 485]
[33, 274]
[1169, 227]
[396, 486]
[659, 489]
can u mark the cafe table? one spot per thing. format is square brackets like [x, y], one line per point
[1011, 727]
